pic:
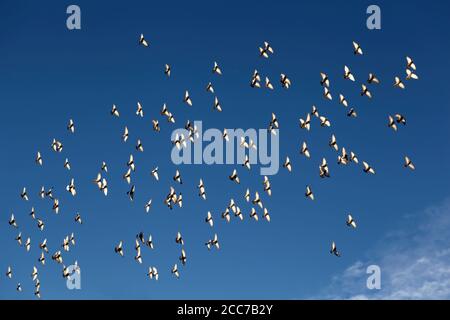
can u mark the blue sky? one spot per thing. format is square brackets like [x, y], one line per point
[49, 74]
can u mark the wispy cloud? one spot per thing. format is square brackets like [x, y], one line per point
[414, 262]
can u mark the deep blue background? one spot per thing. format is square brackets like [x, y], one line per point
[49, 74]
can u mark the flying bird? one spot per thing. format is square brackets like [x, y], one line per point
[357, 49]
[334, 250]
[142, 41]
[348, 74]
[351, 222]
[216, 69]
[409, 164]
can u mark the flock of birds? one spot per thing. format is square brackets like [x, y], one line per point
[174, 198]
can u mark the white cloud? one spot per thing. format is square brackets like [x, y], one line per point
[414, 262]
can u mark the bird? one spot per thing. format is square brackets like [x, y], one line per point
[175, 271]
[38, 159]
[156, 127]
[149, 242]
[217, 105]
[352, 113]
[66, 243]
[28, 244]
[372, 79]
[57, 146]
[357, 49]
[238, 213]
[209, 87]
[140, 236]
[43, 245]
[323, 169]
[365, 91]
[265, 50]
[306, 124]
[266, 214]
[55, 206]
[34, 273]
[246, 162]
[155, 174]
[71, 126]
[179, 141]
[12, 221]
[153, 273]
[409, 164]
[139, 147]
[327, 94]
[247, 195]
[342, 100]
[267, 187]
[216, 69]
[104, 167]
[67, 164]
[148, 205]
[411, 75]
[130, 163]
[273, 125]
[57, 257]
[305, 150]
[214, 242]
[315, 112]
[368, 168]
[234, 177]
[42, 258]
[118, 249]
[410, 63]
[287, 164]
[179, 239]
[142, 41]
[9, 273]
[343, 157]
[187, 98]
[78, 218]
[256, 79]
[334, 250]
[254, 214]
[392, 123]
[167, 70]
[400, 119]
[24, 194]
[285, 82]
[125, 134]
[398, 83]
[140, 110]
[325, 81]
[348, 74]
[19, 238]
[183, 257]
[209, 219]
[115, 111]
[131, 192]
[177, 177]
[269, 84]
[40, 224]
[201, 190]
[71, 188]
[257, 200]
[333, 143]
[309, 194]
[351, 222]
[324, 122]
[138, 256]
[226, 215]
